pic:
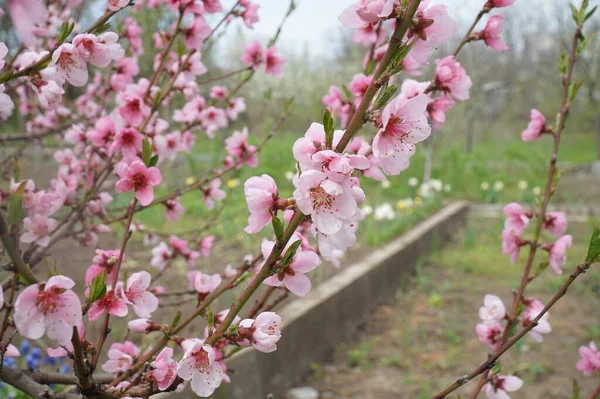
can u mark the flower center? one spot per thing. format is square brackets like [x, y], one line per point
[139, 181]
[46, 301]
[320, 198]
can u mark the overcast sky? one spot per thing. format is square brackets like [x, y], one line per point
[314, 19]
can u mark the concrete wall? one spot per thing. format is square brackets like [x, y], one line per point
[331, 313]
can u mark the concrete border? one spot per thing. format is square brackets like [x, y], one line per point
[330, 314]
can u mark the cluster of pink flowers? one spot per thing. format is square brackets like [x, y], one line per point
[555, 223]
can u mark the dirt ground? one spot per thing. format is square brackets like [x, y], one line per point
[424, 340]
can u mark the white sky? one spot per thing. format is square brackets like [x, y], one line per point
[314, 19]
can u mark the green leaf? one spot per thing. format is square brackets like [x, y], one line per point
[102, 28]
[278, 227]
[210, 318]
[328, 125]
[153, 160]
[290, 253]
[540, 268]
[563, 64]
[573, 89]
[176, 320]
[65, 30]
[576, 390]
[6, 76]
[589, 14]
[385, 95]
[146, 152]
[594, 248]
[370, 67]
[347, 92]
[97, 288]
[574, 13]
[15, 208]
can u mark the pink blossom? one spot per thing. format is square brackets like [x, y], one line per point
[213, 193]
[273, 63]
[111, 40]
[237, 146]
[199, 366]
[50, 308]
[253, 54]
[490, 334]
[10, 351]
[263, 333]
[213, 119]
[116, 5]
[218, 92]
[203, 283]
[511, 244]
[293, 275]
[132, 107]
[235, 107]
[173, 209]
[261, 194]
[498, 3]
[133, 33]
[533, 308]
[433, 27]
[516, 218]
[437, 110]
[498, 387]
[555, 223]
[366, 12]
[366, 35]
[137, 177]
[103, 133]
[181, 246]
[312, 142]
[103, 260]
[493, 310]
[205, 245]
[113, 303]
[558, 252]
[333, 99]
[140, 325]
[6, 104]
[196, 33]
[161, 256]
[327, 202]
[144, 302]
[452, 79]
[60, 351]
[163, 370]
[590, 359]
[90, 49]
[69, 65]
[3, 53]
[403, 125]
[536, 126]
[128, 141]
[492, 32]
[359, 85]
[49, 94]
[25, 15]
[338, 167]
[38, 229]
[120, 357]
[250, 14]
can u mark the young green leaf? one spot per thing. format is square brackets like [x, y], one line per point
[97, 288]
[176, 320]
[277, 227]
[153, 160]
[594, 248]
[328, 125]
[290, 253]
[146, 152]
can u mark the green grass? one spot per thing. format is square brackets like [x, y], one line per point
[492, 160]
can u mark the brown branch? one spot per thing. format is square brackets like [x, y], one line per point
[358, 118]
[49, 377]
[13, 253]
[596, 393]
[582, 268]
[28, 385]
[126, 236]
